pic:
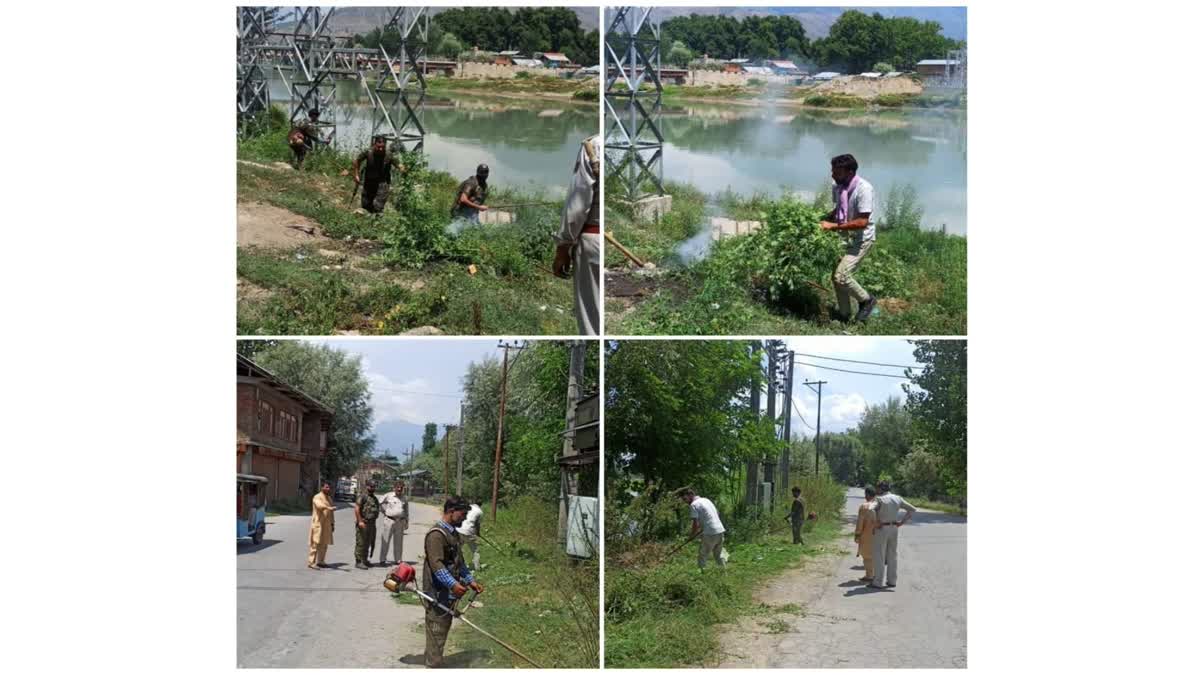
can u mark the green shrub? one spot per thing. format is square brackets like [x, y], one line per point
[894, 100]
[882, 67]
[794, 250]
[835, 101]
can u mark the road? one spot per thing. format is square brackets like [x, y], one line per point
[289, 616]
[922, 623]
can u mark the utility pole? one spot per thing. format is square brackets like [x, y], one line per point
[772, 394]
[751, 465]
[785, 459]
[500, 426]
[578, 351]
[817, 442]
[446, 456]
[462, 412]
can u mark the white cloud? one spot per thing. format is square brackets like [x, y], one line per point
[409, 400]
[846, 409]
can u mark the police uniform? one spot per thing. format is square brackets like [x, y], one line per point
[444, 565]
[309, 134]
[376, 172]
[368, 510]
[476, 192]
[581, 230]
[887, 513]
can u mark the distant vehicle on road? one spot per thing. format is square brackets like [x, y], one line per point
[345, 490]
[251, 507]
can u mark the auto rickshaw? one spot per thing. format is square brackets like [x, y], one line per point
[251, 507]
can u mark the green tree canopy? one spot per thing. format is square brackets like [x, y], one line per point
[334, 378]
[939, 406]
[429, 438]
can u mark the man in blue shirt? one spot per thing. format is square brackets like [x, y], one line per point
[445, 576]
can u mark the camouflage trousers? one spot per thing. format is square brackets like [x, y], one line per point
[437, 629]
[363, 538]
[375, 196]
[298, 153]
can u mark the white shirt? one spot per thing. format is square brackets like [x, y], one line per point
[861, 200]
[704, 511]
[470, 526]
[394, 507]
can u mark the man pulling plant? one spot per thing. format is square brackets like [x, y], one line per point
[303, 136]
[853, 202]
[376, 166]
[472, 193]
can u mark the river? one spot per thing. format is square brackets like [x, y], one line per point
[776, 149]
[527, 143]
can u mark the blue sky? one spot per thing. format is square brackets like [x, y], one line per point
[846, 395]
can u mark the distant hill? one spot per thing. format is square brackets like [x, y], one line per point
[817, 20]
[397, 437]
[353, 20]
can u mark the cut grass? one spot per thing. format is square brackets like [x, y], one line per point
[938, 506]
[684, 630]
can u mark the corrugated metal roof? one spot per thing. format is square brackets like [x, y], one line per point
[757, 70]
[870, 75]
[733, 60]
[937, 62]
[510, 52]
[555, 56]
[784, 64]
[826, 76]
[527, 63]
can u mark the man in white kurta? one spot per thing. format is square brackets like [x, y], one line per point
[579, 237]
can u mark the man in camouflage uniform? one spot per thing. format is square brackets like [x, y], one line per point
[303, 136]
[472, 193]
[579, 237]
[445, 576]
[366, 510]
[376, 176]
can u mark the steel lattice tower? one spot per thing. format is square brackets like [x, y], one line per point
[633, 142]
[393, 93]
[253, 94]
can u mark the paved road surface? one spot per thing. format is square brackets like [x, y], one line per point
[293, 617]
[922, 623]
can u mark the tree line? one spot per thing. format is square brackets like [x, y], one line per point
[495, 29]
[857, 41]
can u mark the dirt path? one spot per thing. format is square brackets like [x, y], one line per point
[260, 224]
[922, 623]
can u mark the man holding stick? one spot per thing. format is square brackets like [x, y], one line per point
[707, 523]
[579, 237]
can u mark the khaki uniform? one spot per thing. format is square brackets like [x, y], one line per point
[476, 192]
[887, 510]
[582, 210]
[368, 509]
[376, 172]
[864, 534]
[443, 550]
[395, 522]
[320, 532]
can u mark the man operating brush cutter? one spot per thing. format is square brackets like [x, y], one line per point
[399, 581]
[444, 578]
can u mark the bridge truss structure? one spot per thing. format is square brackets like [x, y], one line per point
[311, 60]
[633, 141]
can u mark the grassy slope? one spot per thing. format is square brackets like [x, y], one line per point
[535, 597]
[695, 300]
[308, 295]
[661, 615]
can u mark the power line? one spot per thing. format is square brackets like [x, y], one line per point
[797, 409]
[867, 363]
[418, 393]
[857, 372]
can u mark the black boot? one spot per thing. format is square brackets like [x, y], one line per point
[864, 309]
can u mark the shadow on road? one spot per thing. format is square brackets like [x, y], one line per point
[465, 659]
[852, 583]
[866, 590]
[935, 518]
[248, 547]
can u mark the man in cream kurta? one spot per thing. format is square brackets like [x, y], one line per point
[579, 237]
[887, 526]
[320, 533]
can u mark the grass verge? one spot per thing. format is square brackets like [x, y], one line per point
[938, 506]
[669, 614]
[535, 598]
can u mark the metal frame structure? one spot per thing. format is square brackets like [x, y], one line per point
[253, 92]
[633, 142]
[390, 95]
[310, 60]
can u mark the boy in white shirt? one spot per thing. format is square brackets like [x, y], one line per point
[470, 530]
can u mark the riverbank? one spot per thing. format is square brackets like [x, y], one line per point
[705, 287]
[551, 88]
[806, 98]
[309, 262]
